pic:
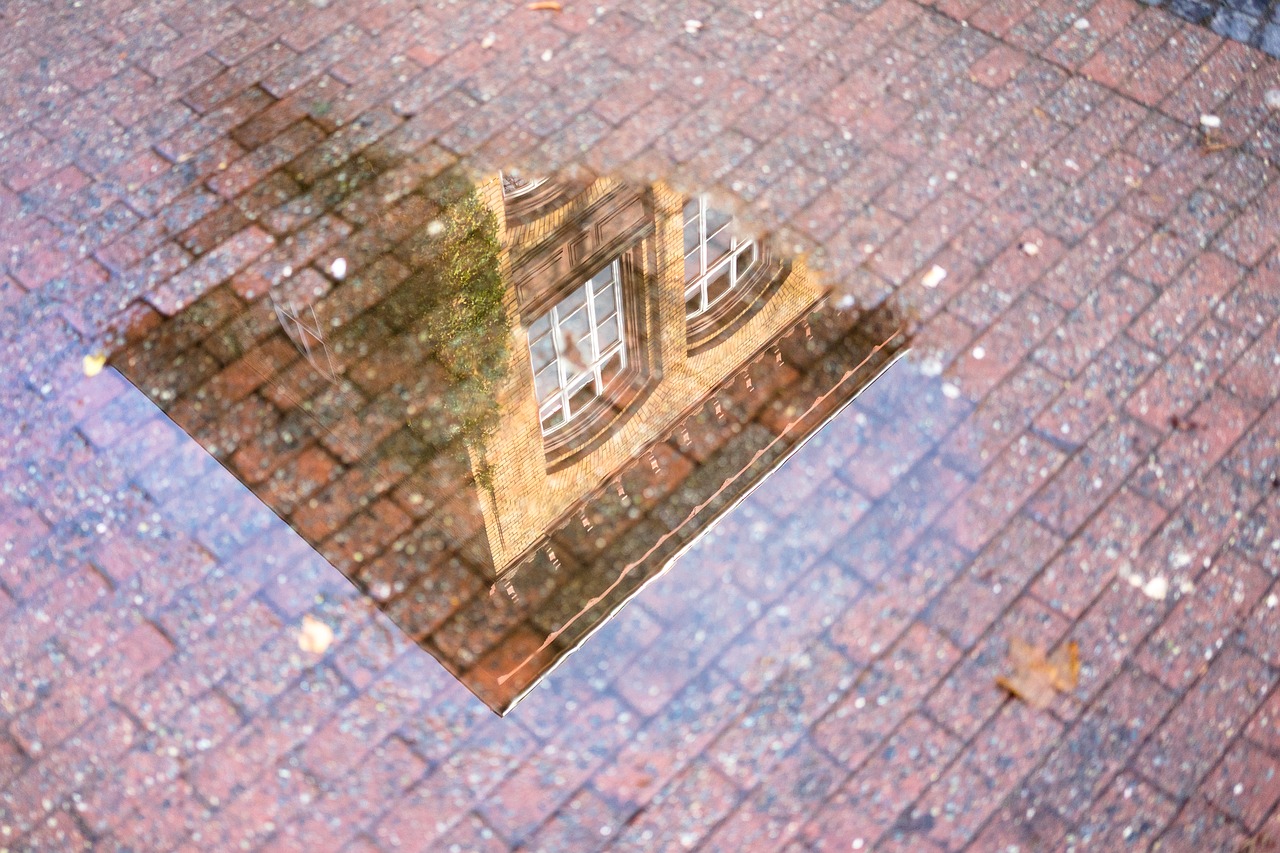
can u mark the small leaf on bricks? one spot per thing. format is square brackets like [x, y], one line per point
[1037, 678]
[546, 6]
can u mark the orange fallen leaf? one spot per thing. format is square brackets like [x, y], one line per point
[545, 6]
[1037, 678]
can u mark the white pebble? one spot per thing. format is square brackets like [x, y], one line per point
[1210, 122]
[1157, 588]
[934, 277]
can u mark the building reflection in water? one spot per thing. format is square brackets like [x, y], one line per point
[500, 409]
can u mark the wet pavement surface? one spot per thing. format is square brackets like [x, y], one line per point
[1076, 460]
[508, 412]
[1253, 22]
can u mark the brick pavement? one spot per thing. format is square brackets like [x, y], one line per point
[1098, 412]
[1255, 22]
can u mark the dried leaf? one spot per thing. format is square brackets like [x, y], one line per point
[1037, 678]
[546, 6]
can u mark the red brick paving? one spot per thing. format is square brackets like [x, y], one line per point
[1105, 410]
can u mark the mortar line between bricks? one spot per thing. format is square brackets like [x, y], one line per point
[1185, 691]
[917, 619]
[988, 632]
[1183, 801]
[926, 5]
[728, 721]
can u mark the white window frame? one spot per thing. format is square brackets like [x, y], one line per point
[710, 268]
[569, 385]
[513, 186]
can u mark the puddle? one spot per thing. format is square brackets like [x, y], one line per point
[500, 406]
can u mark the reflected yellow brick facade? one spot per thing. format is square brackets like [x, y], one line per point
[525, 497]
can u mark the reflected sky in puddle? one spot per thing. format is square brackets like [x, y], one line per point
[503, 405]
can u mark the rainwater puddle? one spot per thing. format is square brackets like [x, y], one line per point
[501, 406]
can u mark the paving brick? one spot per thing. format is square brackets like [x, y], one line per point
[1019, 472]
[682, 813]
[151, 162]
[1183, 458]
[653, 756]
[1130, 812]
[978, 598]
[586, 822]
[539, 787]
[1245, 785]
[75, 702]
[299, 712]
[1182, 648]
[786, 710]
[868, 804]
[1201, 826]
[1168, 396]
[1179, 309]
[884, 695]
[1189, 743]
[1088, 479]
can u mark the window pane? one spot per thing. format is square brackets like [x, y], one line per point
[692, 267]
[718, 286]
[692, 236]
[603, 278]
[572, 303]
[552, 420]
[717, 220]
[576, 337]
[579, 335]
[608, 333]
[693, 304]
[611, 369]
[540, 326]
[606, 303]
[542, 352]
[583, 398]
[718, 246]
[547, 383]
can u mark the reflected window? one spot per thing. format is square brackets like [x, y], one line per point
[578, 349]
[716, 263]
[514, 186]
